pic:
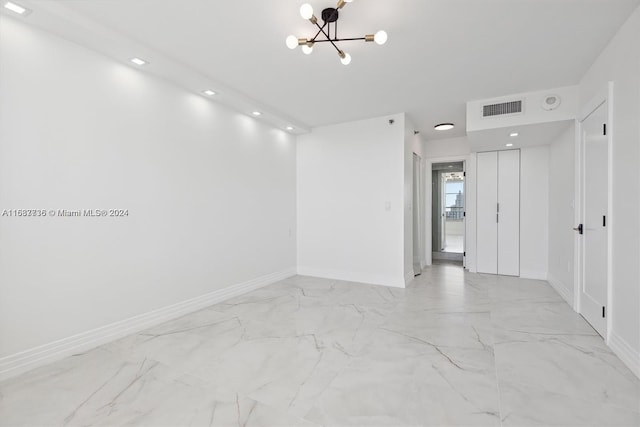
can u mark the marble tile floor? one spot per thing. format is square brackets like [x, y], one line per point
[453, 349]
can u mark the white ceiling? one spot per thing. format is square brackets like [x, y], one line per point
[440, 54]
[528, 136]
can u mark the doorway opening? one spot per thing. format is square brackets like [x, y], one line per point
[448, 212]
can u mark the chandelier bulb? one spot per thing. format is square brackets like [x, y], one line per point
[306, 11]
[292, 42]
[307, 49]
[345, 58]
[380, 37]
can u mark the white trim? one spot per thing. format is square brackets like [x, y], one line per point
[534, 275]
[447, 159]
[429, 203]
[354, 276]
[408, 278]
[625, 352]
[611, 215]
[606, 94]
[427, 192]
[562, 289]
[18, 363]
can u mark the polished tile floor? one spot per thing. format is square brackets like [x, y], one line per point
[452, 349]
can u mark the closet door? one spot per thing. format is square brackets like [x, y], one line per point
[487, 201]
[509, 213]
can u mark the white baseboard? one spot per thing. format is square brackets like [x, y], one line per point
[18, 363]
[408, 278]
[625, 352]
[534, 275]
[565, 292]
[352, 276]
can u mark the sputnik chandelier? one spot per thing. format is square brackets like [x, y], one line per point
[329, 16]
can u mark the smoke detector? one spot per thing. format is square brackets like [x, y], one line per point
[551, 102]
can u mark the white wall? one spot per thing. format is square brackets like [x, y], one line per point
[210, 193]
[449, 147]
[534, 212]
[620, 63]
[532, 111]
[347, 175]
[470, 220]
[561, 213]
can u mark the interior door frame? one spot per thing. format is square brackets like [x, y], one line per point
[442, 183]
[418, 209]
[604, 95]
[429, 201]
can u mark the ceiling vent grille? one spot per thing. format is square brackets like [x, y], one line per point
[492, 110]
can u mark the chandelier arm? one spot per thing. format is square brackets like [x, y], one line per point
[313, 40]
[327, 36]
[341, 40]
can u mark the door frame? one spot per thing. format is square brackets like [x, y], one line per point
[604, 95]
[418, 208]
[429, 201]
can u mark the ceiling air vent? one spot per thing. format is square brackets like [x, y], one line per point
[492, 110]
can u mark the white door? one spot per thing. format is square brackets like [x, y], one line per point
[428, 242]
[417, 215]
[595, 185]
[509, 212]
[487, 220]
[443, 211]
[464, 215]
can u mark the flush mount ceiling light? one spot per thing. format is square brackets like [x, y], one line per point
[17, 8]
[139, 61]
[514, 134]
[444, 126]
[257, 113]
[509, 145]
[289, 128]
[330, 16]
[209, 92]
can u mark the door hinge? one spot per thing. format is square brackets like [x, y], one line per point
[604, 129]
[464, 174]
[603, 312]
[464, 214]
[464, 254]
[604, 220]
[579, 229]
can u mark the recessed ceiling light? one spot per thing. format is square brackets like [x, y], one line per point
[257, 113]
[444, 126]
[509, 145]
[209, 92]
[17, 8]
[514, 134]
[139, 61]
[289, 127]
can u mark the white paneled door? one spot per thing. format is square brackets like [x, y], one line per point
[487, 202]
[595, 184]
[509, 213]
[498, 212]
